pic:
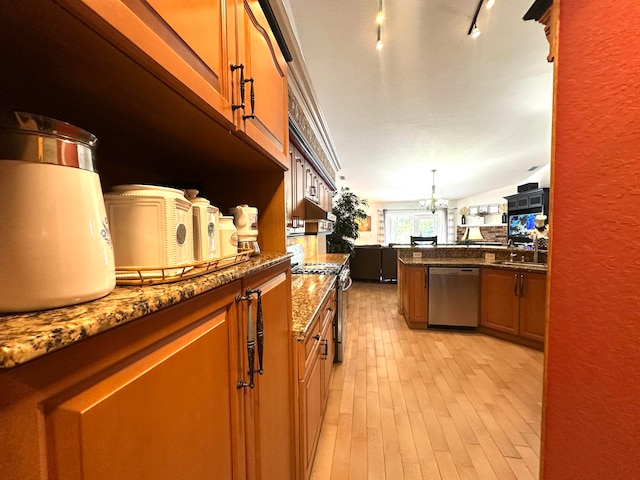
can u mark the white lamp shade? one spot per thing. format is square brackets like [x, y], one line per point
[472, 233]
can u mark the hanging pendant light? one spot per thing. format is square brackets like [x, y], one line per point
[435, 203]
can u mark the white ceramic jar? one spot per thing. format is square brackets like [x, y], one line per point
[151, 226]
[228, 237]
[206, 237]
[55, 245]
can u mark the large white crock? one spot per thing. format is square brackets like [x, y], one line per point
[55, 245]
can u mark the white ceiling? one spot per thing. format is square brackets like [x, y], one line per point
[476, 110]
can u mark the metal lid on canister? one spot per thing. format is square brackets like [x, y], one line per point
[35, 138]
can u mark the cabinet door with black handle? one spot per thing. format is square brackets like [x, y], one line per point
[269, 406]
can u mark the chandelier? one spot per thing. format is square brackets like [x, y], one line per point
[435, 203]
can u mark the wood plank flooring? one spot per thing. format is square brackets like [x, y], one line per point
[409, 404]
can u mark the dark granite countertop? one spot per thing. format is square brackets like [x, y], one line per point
[27, 336]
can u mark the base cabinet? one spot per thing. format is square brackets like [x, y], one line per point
[176, 398]
[513, 304]
[270, 405]
[158, 399]
[315, 369]
[414, 296]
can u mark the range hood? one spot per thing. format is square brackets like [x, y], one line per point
[314, 212]
[317, 221]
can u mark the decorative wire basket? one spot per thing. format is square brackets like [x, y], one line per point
[128, 276]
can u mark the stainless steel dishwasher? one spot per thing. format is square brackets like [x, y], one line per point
[453, 296]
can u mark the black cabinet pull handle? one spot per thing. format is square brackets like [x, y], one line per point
[251, 344]
[326, 349]
[236, 106]
[260, 330]
[515, 285]
[252, 100]
[522, 285]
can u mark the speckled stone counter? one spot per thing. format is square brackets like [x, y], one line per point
[24, 337]
[472, 262]
[456, 256]
[308, 293]
[328, 258]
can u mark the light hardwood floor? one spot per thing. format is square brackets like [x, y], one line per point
[409, 404]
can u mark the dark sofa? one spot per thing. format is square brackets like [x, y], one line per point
[374, 263]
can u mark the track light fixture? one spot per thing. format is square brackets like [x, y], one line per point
[379, 20]
[474, 31]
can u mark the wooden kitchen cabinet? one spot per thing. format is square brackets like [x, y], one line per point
[115, 405]
[512, 304]
[192, 40]
[265, 122]
[295, 191]
[533, 297]
[176, 397]
[158, 398]
[197, 42]
[315, 368]
[271, 405]
[160, 91]
[413, 286]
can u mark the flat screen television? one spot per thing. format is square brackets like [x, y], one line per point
[520, 224]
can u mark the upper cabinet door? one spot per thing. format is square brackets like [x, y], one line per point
[264, 116]
[189, 39]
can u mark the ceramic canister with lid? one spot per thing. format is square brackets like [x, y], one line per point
[245, 218]
[206, 237]
[55, 245]
[228, 237]
[151, 226]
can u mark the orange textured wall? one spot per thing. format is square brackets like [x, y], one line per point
[592, 414]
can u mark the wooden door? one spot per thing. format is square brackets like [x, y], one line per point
[164, 415]
[289, 190]
[270, 406]
[298, 166]
[266, 72]
[190, 39]
[403, 290]
[533, 297]
[327, 352]
[311, 411]
[417, 277]
[499, 299]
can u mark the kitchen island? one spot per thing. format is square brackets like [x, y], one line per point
[512, 293]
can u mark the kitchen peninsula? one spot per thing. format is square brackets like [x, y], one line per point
[512, 289]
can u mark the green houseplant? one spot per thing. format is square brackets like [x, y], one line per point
[346, 208]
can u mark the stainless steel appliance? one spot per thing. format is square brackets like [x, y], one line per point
[453, 296]
[343, 282]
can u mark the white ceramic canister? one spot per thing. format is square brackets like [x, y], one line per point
[206, 238]
[228, 237]
[245, 218]
[151, 226]
[55, 245]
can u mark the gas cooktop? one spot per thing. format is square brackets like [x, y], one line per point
[318, 268]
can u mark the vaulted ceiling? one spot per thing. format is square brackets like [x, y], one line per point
[478, 110]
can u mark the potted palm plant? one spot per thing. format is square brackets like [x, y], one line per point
[347, 209]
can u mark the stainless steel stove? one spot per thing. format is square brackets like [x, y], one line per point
[343, 274]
